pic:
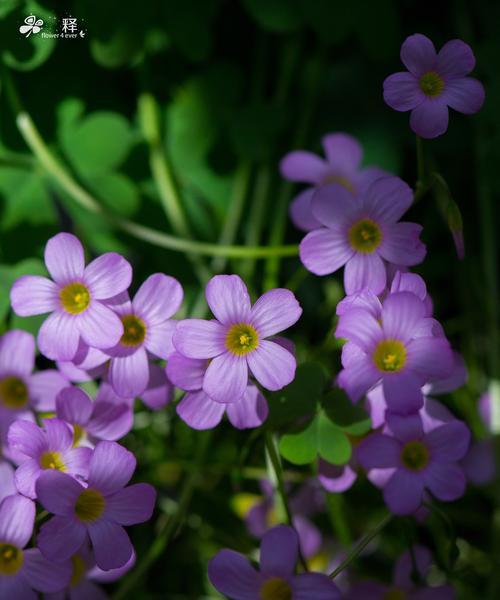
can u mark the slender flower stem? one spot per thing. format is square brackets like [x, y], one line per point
[356, 551]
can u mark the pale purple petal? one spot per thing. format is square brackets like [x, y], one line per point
[16, 587]
[160, 390]
[34, 295]
[336, 479]
[77, 461]
[406, 428]
[279, 551]
[158, 298]
[334, 206]
[110, 420]
[111, 544]
[379, 451]
[301, 165]
[228, 299]
[314, 586]
[232, 574]
[432, 357]
[275, 311]
[129, 375]
[402, 392]
[449, 442]
[455, 59]
[430, 119]
[58, 336]
[364, 299]
[361, 327]
[197, 338]
[309, 536]
[111, 467]
[17, 353]
[272, 365]
[43, 575]
[324, 251]
[402, 91]
[74, 406]
[26, 437]
[59, 435]
[250, 411]
[403, 492]
[387, 199]
[226, 377]
[97, 574]
[58, 492]
[99, 326]
[107, 276]
[434, 414]
[44, 387]
[418, 54]
[186, 373]
[401, 244]
[64, 258]
[17, 518]
[401, 313]
[158, 339]
[199, 411]
[464, 95]
[455, 380]
[131, 505]
[26, 476]
[343, 151]
[60, 538]
[301, 211]
[446, 481]
[364, 271]
[7, 485]
[358, 378]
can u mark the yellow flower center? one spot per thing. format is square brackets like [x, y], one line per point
[134, 331]
[275, 589]
[415, 456]
[365, 236]
[75, 298]
[341, 180]
[52, 460]
[13, 393]
[390, 356]
[431, 84]
[79, 569]
[78, 434]
[242, 339]
[11, 559]
[89, 505]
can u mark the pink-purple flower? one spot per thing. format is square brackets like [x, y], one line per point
[75, 296]
[234, 576]
[363, 233]
[235, 342]
[342, 165]
[434, 82]
[98, 510]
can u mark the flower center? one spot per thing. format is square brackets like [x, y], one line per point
[13, 393]
[390, 356]
[275, 589]
[52, 460]
[79, 569]
[75, 298]
[11, 559]
[415, 456]
[78, 434]
[365, 236]
[134, 331]
[395, 594]
[242, 339]
[89, 505]
[431, 83]
[340, 180]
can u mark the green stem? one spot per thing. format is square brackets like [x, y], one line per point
[336, 512]
[356, 551]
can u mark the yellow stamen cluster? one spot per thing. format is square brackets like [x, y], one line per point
[75, 298]
[134, 331]
[340, 180]
[89, 505]
[11, 559]
[275, 589]
[52, 460]
[79, 569]
[431, 84]
[365, 236]
[242, 339]
[13, 392]
[390, 356]
[415, 456]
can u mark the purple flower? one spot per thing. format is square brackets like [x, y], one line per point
[342, 165]
[433, 83]
[7, 484]
[402, 585]
[416, 461]
[335, 478]
[233, 575]
[236, 341]
[108, 418]
[399, 350]
[148, 328]
[21, 390]
[76, 298]
[479, 463]
[199, 411]
[50, 448]
[99, 510]
[362, 233]
[23, 571]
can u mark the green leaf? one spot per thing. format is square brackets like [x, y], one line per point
[300, 448]
[333, 445]
[349, 417]
[122, 48]
[118, 192]
[275, 15]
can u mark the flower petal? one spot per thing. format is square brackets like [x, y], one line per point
[99, 326]
[324, 251]
[301, 165]
[74, 406]
[58, 492]
[334, 206]
[279, 551]
[111, 545]
[17, 353]
[343, 151]
[44, 387]
[418, 54]
[228, 299]
[158, 339]
[314, 586]
[455, 59]
[226, 378]
[34, 295]
[275, 311]
[449, 442]
[199, 411]
[403, 492]
[335, 479]
[108, 275]
[26, 476]
[58, 336]
[129, 375]
[402, 392]
[464, 95]
[301, 211]
[364, 271]
[360, 327]
[17, 518]
[388, 198]
[401, 314]
[430, 119]
[232, 574]
[432, 357]
[401, 244]
[358, 378]
[60, 538]
[186, 373]
[196, 338]
[405, 428]
[131, 505]
[402, 92]
[26, 437]
[158, 298]
[110, 420]
[272, 365]
[250, 411]
[379, 451]
[64, 258]
[160, 390]
[43, 575]
[111, 467]
[446, 481]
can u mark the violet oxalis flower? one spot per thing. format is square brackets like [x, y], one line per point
[233, 575]
[342, 165]
[236, 341]
[7, 484]
[99, 510]
[50, 448]
[361, 232]
[23, 571]
[399, 350]
[417, 461]
[433, 83]
[75, 298]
